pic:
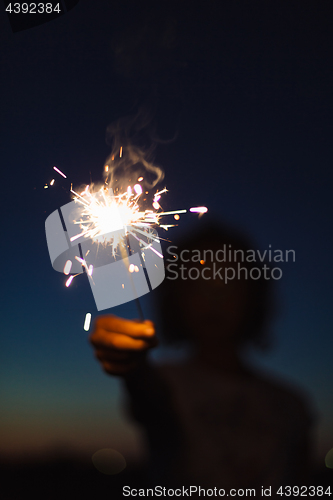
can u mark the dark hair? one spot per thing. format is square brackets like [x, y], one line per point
[261, 303]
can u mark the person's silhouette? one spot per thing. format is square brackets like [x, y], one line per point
[212, 420]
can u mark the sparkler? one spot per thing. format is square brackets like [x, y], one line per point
[102, 213]
[110, 219]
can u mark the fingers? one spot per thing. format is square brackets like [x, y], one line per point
[137, 329]
[102, 339]
[117, 333]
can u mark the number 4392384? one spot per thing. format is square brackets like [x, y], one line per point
[33, 8]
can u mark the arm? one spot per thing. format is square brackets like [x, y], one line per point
[121, 347]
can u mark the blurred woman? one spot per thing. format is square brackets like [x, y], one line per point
[212, 420]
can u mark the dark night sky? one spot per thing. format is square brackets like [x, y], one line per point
[248, 87]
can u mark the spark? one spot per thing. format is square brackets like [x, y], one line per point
[52, 182]
[85, 191]
[199, 210]
[131, 268]
[140, 179]
[67, 267]
[157, 253]
[60, 172]
[176, 217]
[138, 189]
[80, 260]
[121, 152]
[160, 192]
[174, 212]
[84, 264]
[87, 322]
[69, 281]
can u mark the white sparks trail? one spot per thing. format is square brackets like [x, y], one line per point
[108, 219]
[174, 212]
[155, 251]
[59, 172]
[83, 262]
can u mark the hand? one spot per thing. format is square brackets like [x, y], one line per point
[121, 344]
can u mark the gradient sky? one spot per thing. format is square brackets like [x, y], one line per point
[249, 89]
